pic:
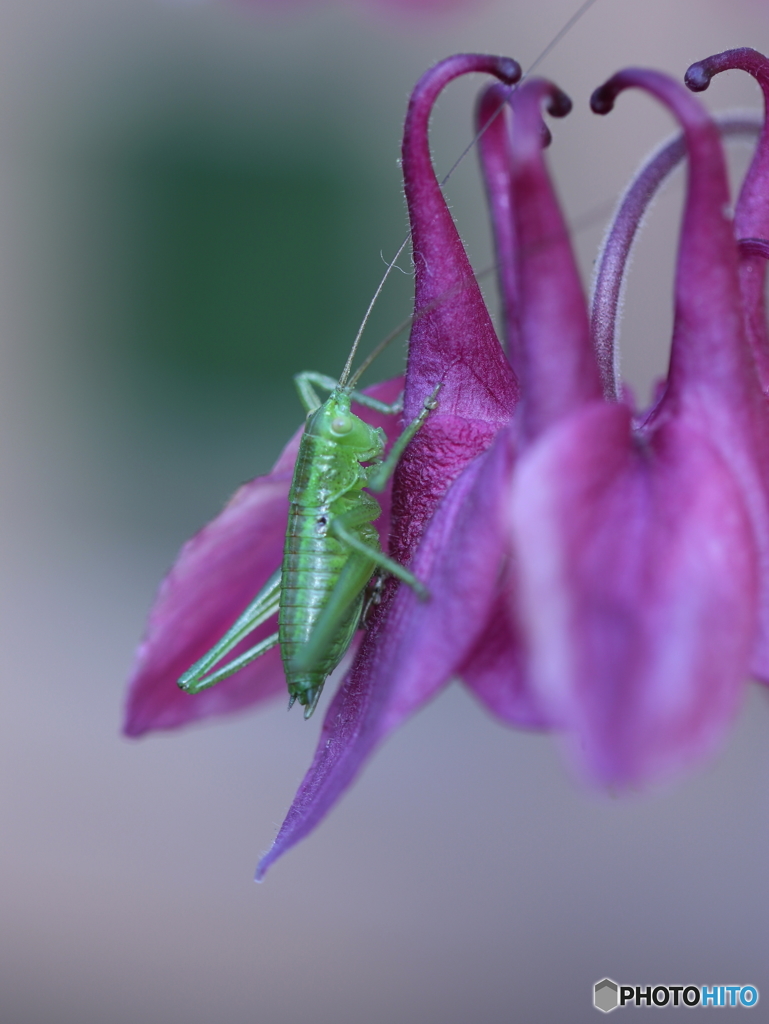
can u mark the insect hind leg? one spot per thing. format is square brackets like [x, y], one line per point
[204, 672]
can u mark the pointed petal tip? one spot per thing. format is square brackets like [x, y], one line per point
[132, 730]
[261, 870]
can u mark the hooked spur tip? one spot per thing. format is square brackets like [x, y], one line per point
[510, 70]
[698, 77]
[602, 100]
[559, 104]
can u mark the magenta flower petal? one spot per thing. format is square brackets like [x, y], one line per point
[426, 642]
[216, 575]
[452, 340]
[410, 650]
[491, 119]
[496, 670]
[638, 551]
[638, 570]
[218, 572]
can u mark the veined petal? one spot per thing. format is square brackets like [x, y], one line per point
[637, 568]
[452, 343]
[407, 656]
[452, 339]
[216, 575]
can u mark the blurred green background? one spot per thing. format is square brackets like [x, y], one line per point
[195, 204]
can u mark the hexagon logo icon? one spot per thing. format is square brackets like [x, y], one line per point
[606, 995]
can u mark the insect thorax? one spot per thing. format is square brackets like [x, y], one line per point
[326, 468]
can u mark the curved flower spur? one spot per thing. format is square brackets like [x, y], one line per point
[639, 545]
[751, 229]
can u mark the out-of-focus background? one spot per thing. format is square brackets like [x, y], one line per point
[194, 204]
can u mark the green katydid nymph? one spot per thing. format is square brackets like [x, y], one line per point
[332, 548]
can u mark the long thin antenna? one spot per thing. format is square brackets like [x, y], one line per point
[578, 224]
[556, 39]
[579, 13]
[407, 323]
[361, 329]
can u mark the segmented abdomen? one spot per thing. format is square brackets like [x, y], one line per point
[313, 558]
[312, 561]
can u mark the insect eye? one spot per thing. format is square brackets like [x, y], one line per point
[341, 424]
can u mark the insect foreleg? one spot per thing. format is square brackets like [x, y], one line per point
[379, 475]
[343, 529]
[310, 400]
[388, 408]
[304, 385]
[264, 605]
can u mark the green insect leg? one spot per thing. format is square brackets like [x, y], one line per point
[304, 385]
[380, 474]
[343, 528]
[265, 604]
[308, 380]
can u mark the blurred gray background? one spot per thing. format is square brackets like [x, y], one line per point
[194, 200]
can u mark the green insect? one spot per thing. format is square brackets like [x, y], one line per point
[324, 586]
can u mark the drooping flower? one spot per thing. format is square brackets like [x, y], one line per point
[589, 569]
[640, 540]
[751, 229]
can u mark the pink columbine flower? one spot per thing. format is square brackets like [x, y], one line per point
[590, 568]
[640, 540]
